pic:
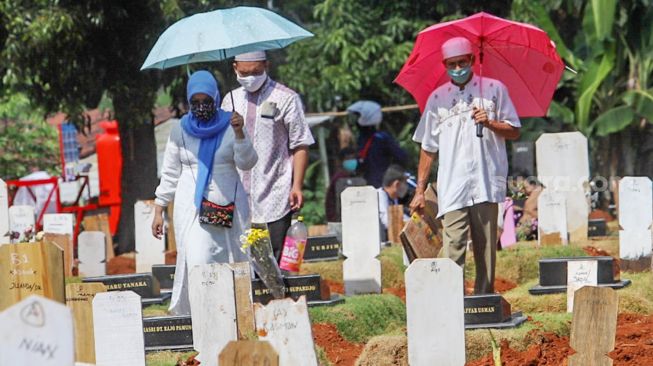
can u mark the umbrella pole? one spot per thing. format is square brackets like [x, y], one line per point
[479, 126]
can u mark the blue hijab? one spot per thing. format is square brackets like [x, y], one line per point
[210, 132]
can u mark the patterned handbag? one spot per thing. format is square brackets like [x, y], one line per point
[218, 215]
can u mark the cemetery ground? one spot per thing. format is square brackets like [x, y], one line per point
[371, 329]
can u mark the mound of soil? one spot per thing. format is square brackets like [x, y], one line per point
[634, 346]
[400, 292]
[122, 264]
[501, 285]
[597, 252]
[335, 286]
[339, 351]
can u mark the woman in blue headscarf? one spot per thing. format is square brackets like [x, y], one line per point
[200, 162]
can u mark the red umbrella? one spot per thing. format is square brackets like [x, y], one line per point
[520, 55]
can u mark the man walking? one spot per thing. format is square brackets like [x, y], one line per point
[472, 171]
[274, 122]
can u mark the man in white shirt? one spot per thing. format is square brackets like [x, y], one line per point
[275, 123]
[472, 171]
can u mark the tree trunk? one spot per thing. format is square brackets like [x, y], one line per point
[139, 178]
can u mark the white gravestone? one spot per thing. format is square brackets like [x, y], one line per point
[59, 224]
[4, 213]
[37, 331]
[635, 217]
[551, 218]
[435, 313]
[91, 253]
[563, 166]
[118, 329]
[213, 310]
[579, 274]
[286, 325]
[21, 218]
[361, 241]
[149, 250]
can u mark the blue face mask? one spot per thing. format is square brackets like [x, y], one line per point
[460, 76]
[350, 165]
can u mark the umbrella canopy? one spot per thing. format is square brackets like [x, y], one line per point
[221, 34]
[520, 55]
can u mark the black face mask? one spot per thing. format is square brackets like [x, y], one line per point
[204, 111]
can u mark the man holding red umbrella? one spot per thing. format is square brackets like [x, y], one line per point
[472, 165]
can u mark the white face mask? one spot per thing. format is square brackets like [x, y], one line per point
[252, 83]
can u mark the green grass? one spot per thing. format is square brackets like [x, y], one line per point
[166, 358]
[68, 280]
[363, 317]
[156, 310]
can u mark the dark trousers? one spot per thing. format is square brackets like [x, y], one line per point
[278, 231]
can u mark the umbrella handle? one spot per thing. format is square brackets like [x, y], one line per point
[479, 130]
[233, 105]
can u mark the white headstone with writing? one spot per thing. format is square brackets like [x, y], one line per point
[4, 213]
[563, 166]
[213, 310]
[37, 331]
[579, 274]
[118, 329]
[59, 224]
[22, 221]
[551, 217]
[149, 250]
[635, 217]
[434, 313]
[361, 241]
[91, 253]
[286, 325]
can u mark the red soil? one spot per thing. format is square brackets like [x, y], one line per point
[600, 214]
[121, 265]
[501, 285]
[596, 252]
[400, 292]
[634, 346]
[339, 351]
[335, 286]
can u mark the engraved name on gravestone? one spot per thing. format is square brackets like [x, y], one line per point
[36, 331]
[635, 219]
[435, 313]
[361, 240]
[4, 213]
[552, 218]
[579, 274]
[21, 223]
[79, 298]
[118, 329]
[91, 253]
[149, 250]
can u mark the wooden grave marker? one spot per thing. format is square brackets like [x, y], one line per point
[79, 298]
[30, 269]
[552, 218]
[418, 240]
[213, 310]
[64, 242]
[21, 219]
[118, 329]
[248, 353]
[435, 313]
[36, 331]
[59, 228]
[286, 325]
[635, 219]
[244, 306]
[593, 326]
[395, 222]
[91, 254]
[579, 274]
[100, 222]
[431, 211]
[149, 250]
[361, 242]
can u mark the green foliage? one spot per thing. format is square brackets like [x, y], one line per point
[314, 193]
[363, 317]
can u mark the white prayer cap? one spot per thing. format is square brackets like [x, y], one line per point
[370, 112]
[252, 56]
[456, 46]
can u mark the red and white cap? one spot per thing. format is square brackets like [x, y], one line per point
[456, 46]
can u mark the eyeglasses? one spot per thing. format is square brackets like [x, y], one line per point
[460, 63]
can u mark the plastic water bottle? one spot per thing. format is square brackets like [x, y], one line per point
[293, 246]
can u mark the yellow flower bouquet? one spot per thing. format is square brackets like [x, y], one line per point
[256, 243]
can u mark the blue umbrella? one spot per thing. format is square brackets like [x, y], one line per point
[221, 34]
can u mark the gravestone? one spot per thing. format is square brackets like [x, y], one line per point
[248, 353]
[523, 158]
[579, 274]
[173, 333]
[59, 224]
[418, 239]
[361, 240]
[4, 213]
[563, 167]
[30, 269]
[593, 326]
[635, 219]
[597, 228]
[165, 274]
[309, 285]
[36, 331]
[143, 284]
[551, 218]
[22, 222]
[79, 298]
[91, 253]
[64, 242]
[244, 308]
[434, 313]
[553, 274]
[118, 329]
[322, 248]
[213, 309]
[286, 325]
[490, 311]
[395, 222]
[100, 222]
[149, 250]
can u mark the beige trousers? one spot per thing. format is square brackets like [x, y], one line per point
[481, 220]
